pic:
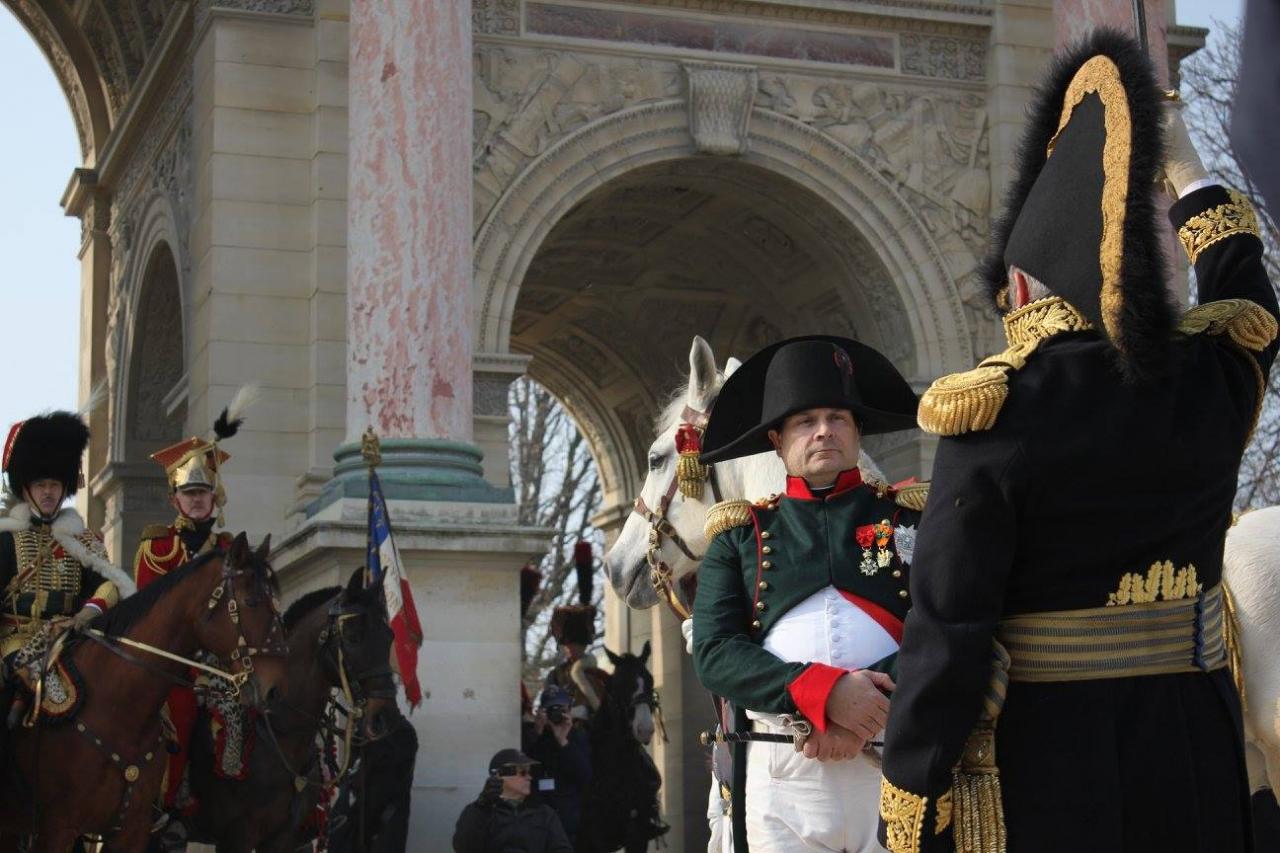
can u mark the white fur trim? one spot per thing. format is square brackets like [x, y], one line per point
[66, 527]
[578, 672]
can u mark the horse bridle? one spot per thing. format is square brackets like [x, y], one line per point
[274, 645]
[660, 574]
[243, 653]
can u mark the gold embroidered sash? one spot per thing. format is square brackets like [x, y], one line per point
[1152, 638]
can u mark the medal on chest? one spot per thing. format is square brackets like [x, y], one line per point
[874, 540]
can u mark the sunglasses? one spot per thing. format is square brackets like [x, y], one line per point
[516, 771]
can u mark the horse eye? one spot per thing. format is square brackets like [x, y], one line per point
[655, 461]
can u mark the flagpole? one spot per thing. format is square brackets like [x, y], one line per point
[371, 452]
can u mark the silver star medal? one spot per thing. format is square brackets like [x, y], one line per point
[904, 536]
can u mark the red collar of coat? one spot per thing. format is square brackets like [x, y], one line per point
[847, 481]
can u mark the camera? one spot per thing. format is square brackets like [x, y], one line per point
[556, 714]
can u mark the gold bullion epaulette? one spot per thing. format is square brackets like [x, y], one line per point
[912, 497]
[726, 515]
[1218, 223]
[155, 531]
[971, 401]
[1245, 322]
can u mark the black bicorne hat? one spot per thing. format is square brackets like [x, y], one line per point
[1080, 215]
[809, 372]
[46, 447]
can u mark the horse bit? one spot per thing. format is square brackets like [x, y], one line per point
[689, 478]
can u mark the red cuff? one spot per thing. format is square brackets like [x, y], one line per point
[810, 690]
[98, 603]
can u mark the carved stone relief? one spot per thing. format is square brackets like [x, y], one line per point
[720, 100]
[526, 98]
[943, 57]
[496, 17]
[157, 352]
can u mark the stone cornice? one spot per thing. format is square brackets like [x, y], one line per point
[956, 19]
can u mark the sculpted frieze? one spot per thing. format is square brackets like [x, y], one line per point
[63, 68]
[932, 144]
[527, 98]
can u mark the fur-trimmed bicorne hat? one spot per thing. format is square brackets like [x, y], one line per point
[47, 446]
[1081, 214]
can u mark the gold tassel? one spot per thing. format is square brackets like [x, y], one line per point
[691, 474]
[978, 816]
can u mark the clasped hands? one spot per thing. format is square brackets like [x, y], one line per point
[857, 710]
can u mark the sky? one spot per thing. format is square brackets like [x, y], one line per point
[39, 287]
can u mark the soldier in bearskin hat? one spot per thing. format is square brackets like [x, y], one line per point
[801, 596]
[193, 468]
[53, 570]
[1063, 681]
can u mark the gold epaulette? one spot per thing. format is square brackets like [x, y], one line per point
[1203, 230]
[971, 401]
[1245, 322]
[155, 531]
[966, 402]
[726, 515]
[912, 497]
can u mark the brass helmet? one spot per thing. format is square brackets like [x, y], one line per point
[196, 463]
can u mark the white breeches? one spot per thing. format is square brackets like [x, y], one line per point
[798, 804]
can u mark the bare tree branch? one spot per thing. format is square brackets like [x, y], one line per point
[557, 487]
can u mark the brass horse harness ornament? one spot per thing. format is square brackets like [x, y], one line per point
[688, 479]
[243, 654]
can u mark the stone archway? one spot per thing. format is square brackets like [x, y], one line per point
[152, 402]
[853, 219]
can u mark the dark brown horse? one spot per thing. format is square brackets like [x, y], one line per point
[335, 636]
[99, 771]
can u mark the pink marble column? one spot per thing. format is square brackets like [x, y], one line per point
[409, 220]
[1074, 18]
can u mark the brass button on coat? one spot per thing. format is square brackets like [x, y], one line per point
[756, 625]
[764, 534]
[760, 606]
[766, 565]
[763, 585]
[766, 549]
[902, 593]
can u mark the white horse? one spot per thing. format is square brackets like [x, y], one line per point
[1251, 568]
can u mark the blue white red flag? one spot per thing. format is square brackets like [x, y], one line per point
[386, 570]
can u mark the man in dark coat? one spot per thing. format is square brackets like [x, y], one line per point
[1063, 683]
[801, 596]
[503, 819]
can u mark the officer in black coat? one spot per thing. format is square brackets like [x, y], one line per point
[1063, 683]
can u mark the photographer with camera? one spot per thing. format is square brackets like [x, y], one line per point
[503, 819]
[564, 753]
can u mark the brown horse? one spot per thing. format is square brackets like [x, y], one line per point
[99, 772]
[336, 637]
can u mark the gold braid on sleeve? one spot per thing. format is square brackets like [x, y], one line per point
[1218, 223]
[1246, 322]
[903, 816]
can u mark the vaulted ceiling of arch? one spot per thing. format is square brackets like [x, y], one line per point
[708, 246]
[98, 50]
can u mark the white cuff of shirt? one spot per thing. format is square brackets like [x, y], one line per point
[1198, 184]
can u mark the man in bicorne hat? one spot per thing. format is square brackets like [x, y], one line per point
[194, 471]
[801, 596]
[1063, 683]
[53, 570]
